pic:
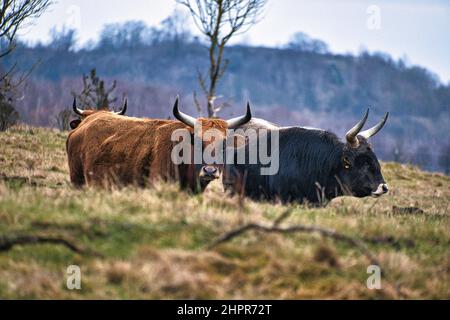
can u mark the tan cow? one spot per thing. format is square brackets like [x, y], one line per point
[107, 148]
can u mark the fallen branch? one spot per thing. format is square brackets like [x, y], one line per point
[298, 228]
[390, 240]
[359, 244]
[8, 242]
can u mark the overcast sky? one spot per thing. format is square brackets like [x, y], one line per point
[418, 30]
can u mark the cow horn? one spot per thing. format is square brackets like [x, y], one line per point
[75, 109]
[124, 108]
[351, 135]
[239, 121]
[187, 120]
[374, 130]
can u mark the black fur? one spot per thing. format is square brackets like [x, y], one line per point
[312, 168]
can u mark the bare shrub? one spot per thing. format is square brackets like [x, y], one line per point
[62, 119]
[8, 114]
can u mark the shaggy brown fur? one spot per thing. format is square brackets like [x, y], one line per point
[109, 149]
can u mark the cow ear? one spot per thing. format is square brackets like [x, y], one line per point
[75, 123]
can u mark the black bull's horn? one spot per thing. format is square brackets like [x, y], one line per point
[352, 135]
[75, 109]
[122, 111]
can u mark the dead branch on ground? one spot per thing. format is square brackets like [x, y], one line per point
[329, 233]
[8, 242]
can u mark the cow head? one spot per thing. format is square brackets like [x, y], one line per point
[85, 113]
[207, 172]
[360, 171]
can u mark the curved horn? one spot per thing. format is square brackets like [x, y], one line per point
[74, 107]
[239, 121]
[351, 135]
[122, 111]
[187, 120]
[374, 130]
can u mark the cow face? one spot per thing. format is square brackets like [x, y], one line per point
[211, 134]
[360, 171]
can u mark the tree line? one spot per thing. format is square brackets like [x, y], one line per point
[300, 83]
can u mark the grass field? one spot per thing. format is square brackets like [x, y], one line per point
[154, 243]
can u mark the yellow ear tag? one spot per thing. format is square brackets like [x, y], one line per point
[346, 164]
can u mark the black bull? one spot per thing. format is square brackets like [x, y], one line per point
[314, 166]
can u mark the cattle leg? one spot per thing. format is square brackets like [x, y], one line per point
[76, 175]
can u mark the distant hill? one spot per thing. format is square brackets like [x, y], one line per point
[290, 86]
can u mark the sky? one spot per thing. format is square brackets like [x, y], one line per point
[418, 31]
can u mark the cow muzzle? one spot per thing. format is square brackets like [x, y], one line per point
[209, 173]
[382, 189]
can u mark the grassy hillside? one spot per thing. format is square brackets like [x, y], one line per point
[154, 243]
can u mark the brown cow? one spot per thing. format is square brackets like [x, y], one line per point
[106, 148]
[86, 113]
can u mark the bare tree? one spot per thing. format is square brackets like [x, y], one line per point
[95, 94]
[8, 94]
[62, 119]
[8, 115]
[15, 14]
[219, 21]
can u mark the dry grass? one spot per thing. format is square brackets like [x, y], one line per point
[154, 241]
